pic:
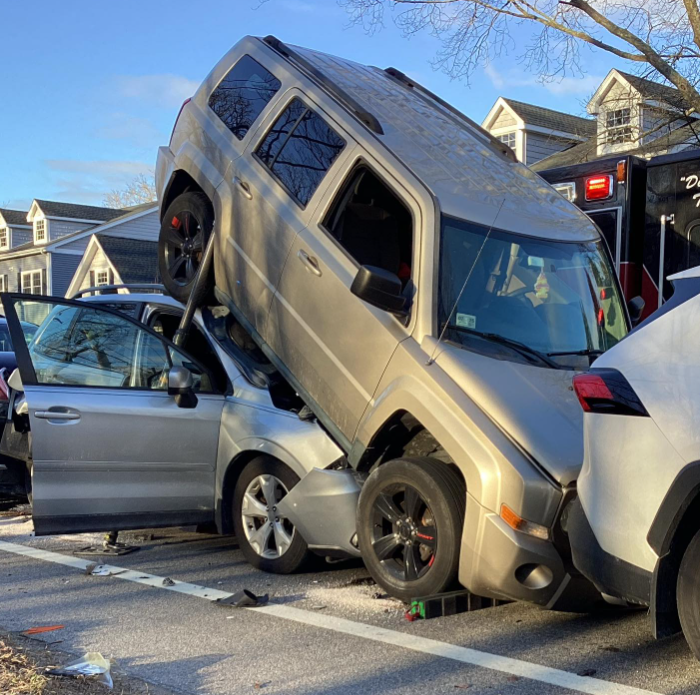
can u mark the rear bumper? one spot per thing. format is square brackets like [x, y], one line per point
[506, 564]
[608, 573]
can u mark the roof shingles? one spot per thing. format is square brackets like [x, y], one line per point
[135, 260]
[14, 218]
[94, 213]
[553, 120]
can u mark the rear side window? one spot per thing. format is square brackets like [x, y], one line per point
[243, 94]
[299, 149]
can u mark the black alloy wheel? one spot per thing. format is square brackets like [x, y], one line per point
[404, 535]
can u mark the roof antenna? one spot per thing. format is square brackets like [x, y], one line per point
[464, 286]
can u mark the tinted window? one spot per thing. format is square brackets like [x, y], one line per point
[299, 150]
[243, 94]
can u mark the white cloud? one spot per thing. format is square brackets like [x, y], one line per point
[139, 132]
[84, 181]
[573, 86]
[161, 90]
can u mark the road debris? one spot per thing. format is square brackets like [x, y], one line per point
[95, 569]
[244, 599]
[168, 582]
[39, 630]
[92, 665]
[587, 672]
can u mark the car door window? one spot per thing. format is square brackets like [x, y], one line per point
[243, 94]
[86, 346]
[299, 149]
[371, 223]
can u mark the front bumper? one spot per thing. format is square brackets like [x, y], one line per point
[608, 573]
[502, 563]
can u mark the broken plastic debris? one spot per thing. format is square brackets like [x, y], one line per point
[168, 582]
[93, 664]
[244, 599]
[96, 570]
[39, 630]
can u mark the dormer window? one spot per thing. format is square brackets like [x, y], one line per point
[39, 230]
[4, 238]
[508, 139]
[618, 126]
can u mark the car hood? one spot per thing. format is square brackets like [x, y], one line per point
[534, 406]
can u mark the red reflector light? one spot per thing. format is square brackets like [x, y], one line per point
[599, 187]
[607, 391]
[593, 387]
[604, 293]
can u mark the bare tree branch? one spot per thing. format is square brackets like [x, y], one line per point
[141, 190]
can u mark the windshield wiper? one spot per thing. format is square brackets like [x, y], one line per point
[586, 352]
[522, 348]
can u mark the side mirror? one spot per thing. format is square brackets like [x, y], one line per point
[379, 288]
[181, 386]
[635, 307]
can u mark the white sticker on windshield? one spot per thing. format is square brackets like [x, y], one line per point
[466, 320]
[535, 261]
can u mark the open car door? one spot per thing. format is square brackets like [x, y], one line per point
[124, 426]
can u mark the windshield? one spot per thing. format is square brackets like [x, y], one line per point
[559, 299]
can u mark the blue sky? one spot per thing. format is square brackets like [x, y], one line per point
[91, 89]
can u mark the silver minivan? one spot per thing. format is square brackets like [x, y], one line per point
[426, 295]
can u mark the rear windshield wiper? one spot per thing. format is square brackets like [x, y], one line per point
[522, 348]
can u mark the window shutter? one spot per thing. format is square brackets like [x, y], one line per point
[44, 283]
[92, 279]
[19, 282]
[110, 280]
[7, 283]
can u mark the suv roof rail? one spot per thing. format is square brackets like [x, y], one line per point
[144, 286]
[364, 116]
[456, 114]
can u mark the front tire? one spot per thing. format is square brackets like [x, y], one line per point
[688, 595]
[409, 523]
[268, 541]
[184, 232]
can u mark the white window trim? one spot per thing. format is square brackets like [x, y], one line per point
[30, 289]
[46, 231]
[7, 244]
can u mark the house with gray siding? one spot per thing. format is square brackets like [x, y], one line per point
[533, 132]
[58, 236]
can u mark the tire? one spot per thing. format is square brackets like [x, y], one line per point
[187, 224]
[688, 595]
[267, 558]
[423, 558]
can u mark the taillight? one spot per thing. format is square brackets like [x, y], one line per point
[599, 187]
[607, 391]
[179, 113]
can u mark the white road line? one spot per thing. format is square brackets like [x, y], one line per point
[474, 657]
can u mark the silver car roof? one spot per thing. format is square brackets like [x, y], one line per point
[469, 178]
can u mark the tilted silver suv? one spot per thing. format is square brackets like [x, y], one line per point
[427, 295]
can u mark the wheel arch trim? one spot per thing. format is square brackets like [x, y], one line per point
[680, 496]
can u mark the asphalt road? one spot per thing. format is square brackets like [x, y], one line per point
[324, 632]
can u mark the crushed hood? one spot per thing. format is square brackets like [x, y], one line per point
[535, 406]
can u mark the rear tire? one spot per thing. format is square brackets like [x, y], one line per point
[264, 541]
[409, 523]
[187, 224]
[688, 595]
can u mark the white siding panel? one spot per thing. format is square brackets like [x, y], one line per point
[540, 146]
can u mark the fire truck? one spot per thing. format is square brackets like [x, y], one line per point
[648, 212]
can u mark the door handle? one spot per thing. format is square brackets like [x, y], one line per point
[245, 188]
[310, 263]
[57, 415]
